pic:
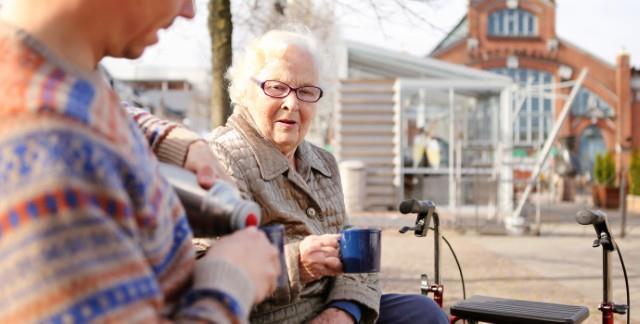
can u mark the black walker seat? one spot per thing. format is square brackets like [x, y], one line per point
[500, 310]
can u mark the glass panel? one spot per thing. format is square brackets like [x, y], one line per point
[477, 190]
[535, 76]
[589, 104]
[547, 106]
[548, 124]
[426, 131]
[535, 122]
[520, 20]
[523, 122]
[511, 30]
[430, 120]
[492, 24]
[540, 108]
[523, 133]
[535, 105]
[591, 144]
[535, 136]
[522, 75]
[512, 22]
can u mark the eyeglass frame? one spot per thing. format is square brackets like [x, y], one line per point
[295, 90]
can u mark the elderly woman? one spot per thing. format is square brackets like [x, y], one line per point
[275, 87]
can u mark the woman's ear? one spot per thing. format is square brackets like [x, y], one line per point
[251, 95]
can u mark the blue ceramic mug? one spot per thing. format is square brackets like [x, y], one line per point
[360, 250]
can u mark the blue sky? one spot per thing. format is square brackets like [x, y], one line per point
[603, 27]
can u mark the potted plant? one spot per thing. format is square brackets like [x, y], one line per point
[633, 198]
[597, 175]
[605, 192]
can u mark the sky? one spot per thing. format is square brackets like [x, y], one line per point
[603, 27]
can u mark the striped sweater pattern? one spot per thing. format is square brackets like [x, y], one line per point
[88, 229]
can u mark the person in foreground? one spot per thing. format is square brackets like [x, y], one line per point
[275, 87]
[89, 230]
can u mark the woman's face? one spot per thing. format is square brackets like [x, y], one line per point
[285, 121]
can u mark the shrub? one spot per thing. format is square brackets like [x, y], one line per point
[598, 164]
[634, 173]
[604, 170]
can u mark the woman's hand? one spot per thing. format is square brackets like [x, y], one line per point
[319, 257]
[331, 316]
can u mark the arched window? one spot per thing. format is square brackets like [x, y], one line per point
[535, 117]
[590, 105]
[513, 23]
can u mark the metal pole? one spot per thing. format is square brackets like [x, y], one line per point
[544, 154]
[436, 248]
[452, 147]
[623, 202]
[606, 273]
[401, 133]
[607, 306]
[538, 225]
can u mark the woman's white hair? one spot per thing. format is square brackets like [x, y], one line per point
[266, 48]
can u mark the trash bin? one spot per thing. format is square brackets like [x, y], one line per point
[354, 178]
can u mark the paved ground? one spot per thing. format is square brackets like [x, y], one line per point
[558, 266]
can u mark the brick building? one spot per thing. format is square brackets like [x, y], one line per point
[518, 38]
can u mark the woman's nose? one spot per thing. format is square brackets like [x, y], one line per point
[291, 102]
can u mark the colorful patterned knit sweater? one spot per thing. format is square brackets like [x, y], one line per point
[88, 229]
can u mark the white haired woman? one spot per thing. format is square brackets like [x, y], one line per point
[275, 87]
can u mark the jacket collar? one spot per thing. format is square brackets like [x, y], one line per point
[271, 161]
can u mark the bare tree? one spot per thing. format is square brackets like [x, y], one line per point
[258, 16]
[221, 31]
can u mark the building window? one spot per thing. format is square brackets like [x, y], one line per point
[590, 105]
[513, 23]
[535, 117]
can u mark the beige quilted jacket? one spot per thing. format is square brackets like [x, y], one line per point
[308, 201]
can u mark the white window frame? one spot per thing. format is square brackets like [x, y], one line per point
[501, 20]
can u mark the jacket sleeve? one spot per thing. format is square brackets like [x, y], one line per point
[291, 251]
[168, 140]
[361, 288]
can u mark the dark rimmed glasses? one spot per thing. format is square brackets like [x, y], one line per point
[278, 89]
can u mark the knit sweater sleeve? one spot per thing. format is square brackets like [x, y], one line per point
[169, 141]
[78, 242]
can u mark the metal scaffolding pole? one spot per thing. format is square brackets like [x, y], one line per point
[516, 224]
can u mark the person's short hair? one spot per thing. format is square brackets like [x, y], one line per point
[255, 57]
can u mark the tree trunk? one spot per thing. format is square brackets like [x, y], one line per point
[220, 30]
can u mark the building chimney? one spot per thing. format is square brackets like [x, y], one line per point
[623, 91]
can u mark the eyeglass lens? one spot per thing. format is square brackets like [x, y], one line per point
[279, 89]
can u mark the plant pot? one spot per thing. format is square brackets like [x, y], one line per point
[595, 195]
[605, 197]
[610, 197]
[633, 204]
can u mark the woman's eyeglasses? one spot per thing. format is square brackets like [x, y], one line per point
[277, 89]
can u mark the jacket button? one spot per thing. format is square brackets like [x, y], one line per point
[311, 212]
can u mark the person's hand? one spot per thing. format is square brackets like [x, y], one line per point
[319, 257]
[333, 315]
[250, 250]
[201, 161]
